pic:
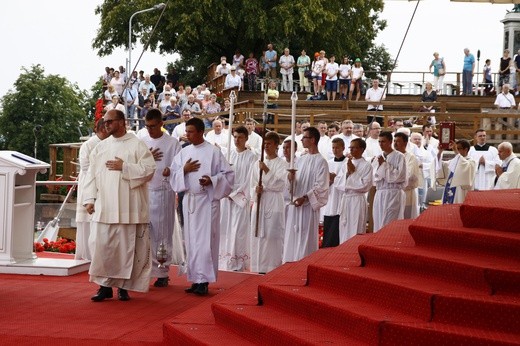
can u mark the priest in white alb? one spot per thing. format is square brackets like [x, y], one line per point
[413, 174]
[311, 192]
[116, 195]
[203, 174]
[486, 157]
[508, 173]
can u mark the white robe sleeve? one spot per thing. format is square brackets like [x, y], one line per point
[223, 176]
[319, 194]
[394, 172]
[177, 179]
[464, 175]
[360, 181]
[142, 171]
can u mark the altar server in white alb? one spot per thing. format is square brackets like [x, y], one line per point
[331, 210]
[353, 182]
[82, 217]
[161, 196]
[459, 172]
[486, 157]
[390, 179]
[414, 177]
[116, 195]
[201, 171]
[311, 192]
[267, 240]
[508, 173]
[235, 212]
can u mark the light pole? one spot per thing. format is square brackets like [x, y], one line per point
[129, 69]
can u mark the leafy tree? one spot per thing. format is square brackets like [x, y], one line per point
[49, 107]
[202, 31]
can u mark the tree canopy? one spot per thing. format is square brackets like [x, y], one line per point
[202, 31]
[46, 106]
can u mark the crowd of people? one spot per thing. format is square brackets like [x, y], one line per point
[246, 204]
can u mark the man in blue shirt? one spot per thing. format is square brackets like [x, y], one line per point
[467, 72]
[271, 57]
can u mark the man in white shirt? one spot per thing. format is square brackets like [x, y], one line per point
[286, 69]
[147, 84]
[372, 149]
[324, 143]
[505, 100]
[224, 68]
[218, 135]
[233, 79]
[486, 157]
[375, 95]
[347, 128]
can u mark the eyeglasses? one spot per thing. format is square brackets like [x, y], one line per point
[167, 94]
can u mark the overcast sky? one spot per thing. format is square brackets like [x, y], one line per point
[58, 35]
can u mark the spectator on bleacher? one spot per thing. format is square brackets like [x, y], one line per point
[224, 68]
[238, 60]
[487, 77]
[331, 69]
[271, 57]
[505, 100]
[117, 82]
[512, 77]
[158, 80]
[205, 99]
[233, 80]
[122, 73]
[211, 108]
[109, 93]
[303, 63]
[252, 70]
[167, 89]
[172, 77]
[140, 100]
[165, 102]
[144, 110]
[141, 76]
[115, 105]
[439, 70]
[357, 79]
[147, 84]
[345, 77]
[134, 81]
[318, 65]
[107, 76]
[130, 99]
[429, 95]
[375, 94]
[503, 74]
[467, 72]
[182, 97]
[192, 106]
[173, 111]
[272, 95]
[287, 69]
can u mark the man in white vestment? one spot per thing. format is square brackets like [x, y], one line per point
[427, 160]
[201, 171]
[331, 210]
[254, 141]
[353, 182]
[390, 179]
[486, 157]
[235, 212]
[218, 135]
[160, 194]
[429, 141]
[347, 128]
[267, 239]
[325, 141]
[116, 195]
[373, 149]
[459, 172]
[82, 217]
[311, 191]
[413, 174]
[179, 132]
[508, 173]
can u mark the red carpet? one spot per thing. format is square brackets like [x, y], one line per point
[451, 277]
[46, 310]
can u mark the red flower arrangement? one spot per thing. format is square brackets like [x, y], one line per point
[320, 234]
[62, 245]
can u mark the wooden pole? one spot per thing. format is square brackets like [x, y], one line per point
[259, 194]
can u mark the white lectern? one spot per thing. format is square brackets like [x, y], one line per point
[17, 194]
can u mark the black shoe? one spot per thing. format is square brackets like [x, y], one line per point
[202, 290]
[161, 282]
[192, 288]
[122, 295]
[102, 294]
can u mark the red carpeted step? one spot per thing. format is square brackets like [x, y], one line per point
[264, 325]
[358, 318]
[487, 313]
[201, 334]
[470, 269]
[442, 227]
[399, 334]
[497, 209]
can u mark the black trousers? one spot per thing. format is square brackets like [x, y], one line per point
[330, 231]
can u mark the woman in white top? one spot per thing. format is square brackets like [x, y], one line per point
[357, 79]
[345, 76]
